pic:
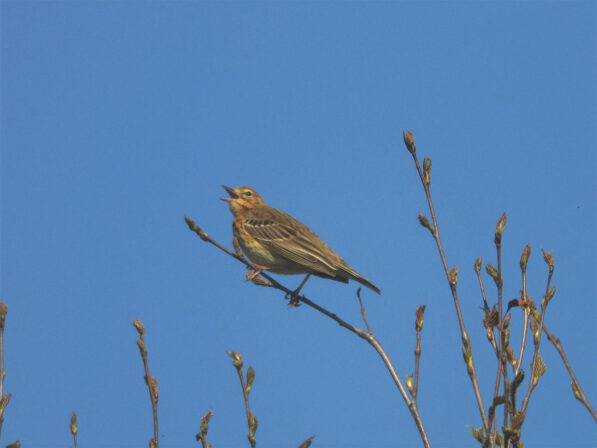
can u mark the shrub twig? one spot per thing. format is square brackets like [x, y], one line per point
[152, 383]
[252, 422]
[419, 314]
[524, 258]
[502, 327]
[451, 274]
[202, 434]
[4, 399]
[576, 388]
[537, 365]
[74, 428]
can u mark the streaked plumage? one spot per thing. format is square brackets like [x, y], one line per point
[276, 242]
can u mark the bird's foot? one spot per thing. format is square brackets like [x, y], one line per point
[257, 269]
[253, 276]
[293, 298]
[258, 279]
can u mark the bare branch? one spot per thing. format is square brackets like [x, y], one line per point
[367, 336]
[73, 428]
[502, 370]
[548, 257]
[363, 312]
[152, 383]
[252, 422]
[4, 399]
[491, 316]
[524, 258]
[419, 314]
[202, 434]
[307, 443]
[576, 388]
[451, 276]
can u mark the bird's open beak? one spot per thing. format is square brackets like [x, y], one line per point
[231, 192]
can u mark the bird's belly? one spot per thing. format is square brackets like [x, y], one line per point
[260, 255]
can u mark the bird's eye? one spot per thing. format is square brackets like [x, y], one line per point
[248, 193]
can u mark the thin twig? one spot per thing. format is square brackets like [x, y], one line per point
[252, 421]
[506, 392]
[524, 258]
[202, 434]
[502, 327]
[496, 390]
[307, 443]
[3, 313]
[418, 328]
[369, 337]
[4, 399]
[489, 329]
[578, 392]
[467, 349]
[537, 337]
[74, 428]
[525, 305]
[478, 264]
[152, 383]
[363, 312]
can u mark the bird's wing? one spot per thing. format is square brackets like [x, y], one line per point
[291, 239]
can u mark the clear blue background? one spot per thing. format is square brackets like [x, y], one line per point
[120, 118]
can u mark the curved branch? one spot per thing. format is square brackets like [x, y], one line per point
[365, 335]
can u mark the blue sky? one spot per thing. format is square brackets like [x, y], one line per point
[117, 119]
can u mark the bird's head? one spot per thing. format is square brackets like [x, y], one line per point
[242, 198]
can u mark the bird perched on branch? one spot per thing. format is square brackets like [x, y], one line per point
[274, 241]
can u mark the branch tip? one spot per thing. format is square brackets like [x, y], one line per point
[409, 141]
[419, 314]
[524, 257]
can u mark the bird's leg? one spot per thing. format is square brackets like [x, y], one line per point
[237, 248]
[293, 296]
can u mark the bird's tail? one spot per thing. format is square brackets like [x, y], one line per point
[363, 281]
[353, 275]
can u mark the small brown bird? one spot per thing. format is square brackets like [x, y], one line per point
[276, 242]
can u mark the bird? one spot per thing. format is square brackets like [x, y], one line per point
[276, 242]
